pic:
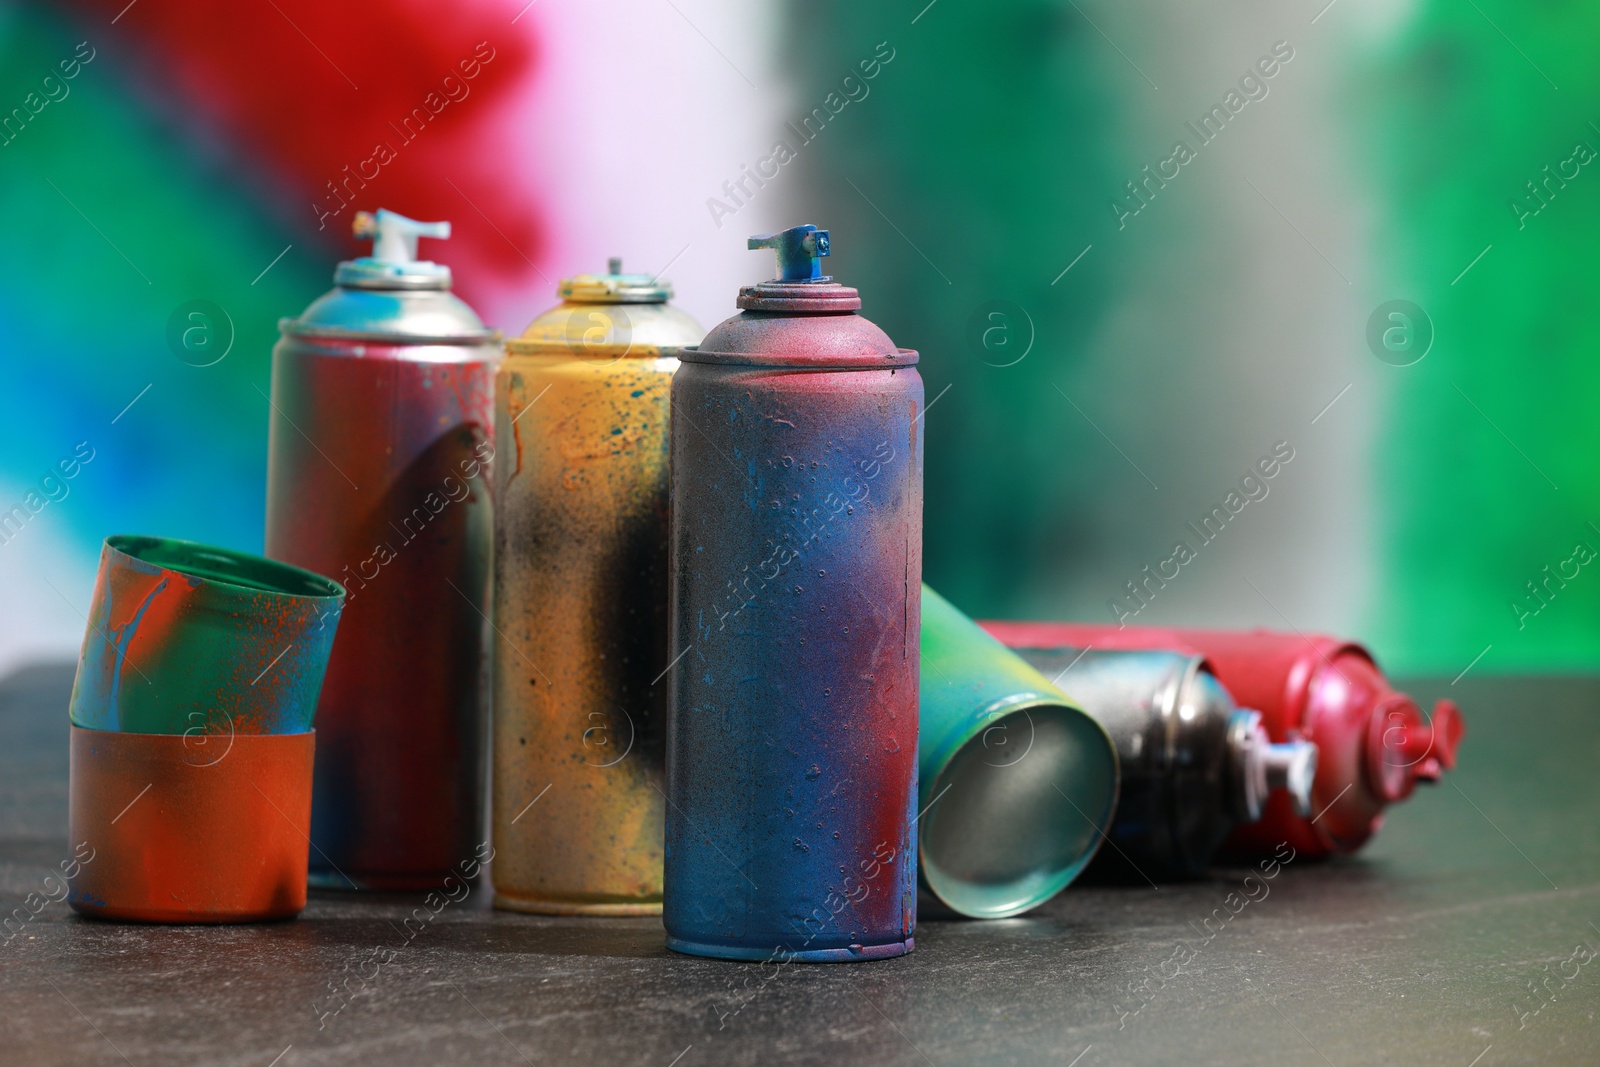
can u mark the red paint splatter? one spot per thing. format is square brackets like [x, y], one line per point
[297, 91]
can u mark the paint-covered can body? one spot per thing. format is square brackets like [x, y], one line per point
[168, 830]
[1194, 764]
[581, 407]
[1018, 783]
[379, 474]
[202, 641]
[796, 558]
[1373, 743]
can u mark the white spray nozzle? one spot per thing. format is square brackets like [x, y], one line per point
[1261, 766]
[394, 237]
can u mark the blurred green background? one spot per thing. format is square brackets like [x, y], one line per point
[1382, 160]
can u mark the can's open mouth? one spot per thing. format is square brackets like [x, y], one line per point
[1018, 811]
[225, 566]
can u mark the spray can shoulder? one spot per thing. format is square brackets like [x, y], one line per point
[603, 318]
[801, 318]
[391, 298]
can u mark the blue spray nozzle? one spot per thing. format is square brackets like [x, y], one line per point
[800, 250]
[394, 237]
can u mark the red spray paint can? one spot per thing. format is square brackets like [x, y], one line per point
[1373, 742]
[378, 475]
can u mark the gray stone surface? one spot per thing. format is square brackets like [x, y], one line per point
[1419, 951]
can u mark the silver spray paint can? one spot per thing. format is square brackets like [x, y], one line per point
[1194, 763]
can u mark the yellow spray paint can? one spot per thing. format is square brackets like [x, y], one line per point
[580, 598]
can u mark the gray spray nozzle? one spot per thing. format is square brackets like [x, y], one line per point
[800, 250]
[1259, 766]
[1292, 765]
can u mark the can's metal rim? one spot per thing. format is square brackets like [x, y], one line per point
[985, 717]
[545, 906]
[296, 328]
[614, 289]
[224, 568]
[175, 741]
[900, 357]
[851, 954]
[822, 296]
[356, 274]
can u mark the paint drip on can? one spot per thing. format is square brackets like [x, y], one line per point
[581, 408]
[796, 561]
[378, 474]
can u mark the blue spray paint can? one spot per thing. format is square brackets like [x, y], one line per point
[796, 562]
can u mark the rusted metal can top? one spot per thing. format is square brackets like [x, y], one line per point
[802, 318]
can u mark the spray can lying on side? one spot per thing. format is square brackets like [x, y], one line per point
[796, 564]
[378, 475]
[1193, 763]
[1018, 784]
[581, 406]
[1373, 744]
